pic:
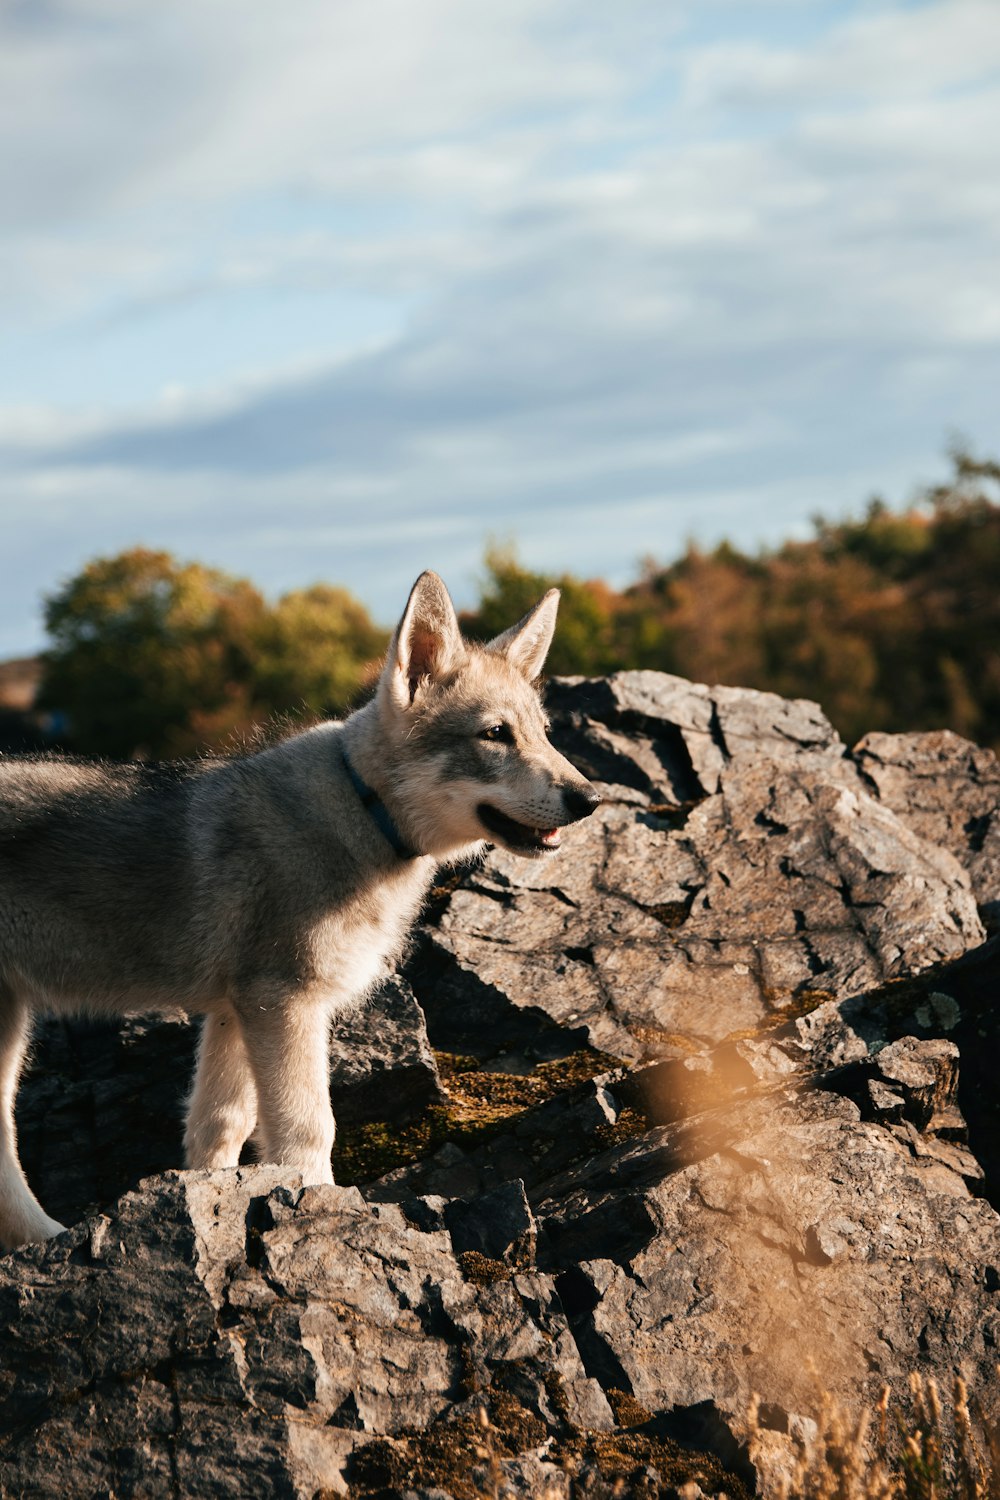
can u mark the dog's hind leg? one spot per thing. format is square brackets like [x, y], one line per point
[287, 1042]
[222, 1110]
[22, 1218]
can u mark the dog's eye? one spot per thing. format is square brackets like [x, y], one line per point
[499, 733]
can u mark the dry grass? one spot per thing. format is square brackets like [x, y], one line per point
[938, 1454]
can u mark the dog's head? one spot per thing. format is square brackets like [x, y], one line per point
[471, 755]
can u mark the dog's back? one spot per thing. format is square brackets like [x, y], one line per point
[96, 883]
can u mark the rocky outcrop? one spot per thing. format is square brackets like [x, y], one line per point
[218, 1326]
[711, 1117]
[948, 791]
[727, 877]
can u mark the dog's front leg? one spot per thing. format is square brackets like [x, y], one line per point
[223, 1107]
[22, 1217]
[287, 1042]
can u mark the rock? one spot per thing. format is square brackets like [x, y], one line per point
[113, 1355]
[686, 1266]
[926, 1074]
[381, 1064]
[948, 791]
[808, 1245]
[738, 865]
[101, 1105]
[214, 1325]
[644, 936]
[955, 1002]
[671, 738]
[781, 1179]
[497, 1225]
[538, 1144]
[526, 1478]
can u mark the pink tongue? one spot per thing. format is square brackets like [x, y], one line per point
[550, 836]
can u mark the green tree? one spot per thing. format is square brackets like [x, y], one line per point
[155, 658]
[149, 657]
[891, 621]
[585, 640]
[318, 645]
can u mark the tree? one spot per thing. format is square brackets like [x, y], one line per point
[585, 633]
[155, 658]
[318, 646]
[891, 621]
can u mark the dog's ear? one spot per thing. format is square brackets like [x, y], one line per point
[427, 644]
[526, 644]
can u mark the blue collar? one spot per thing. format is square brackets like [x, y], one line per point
[377, 811]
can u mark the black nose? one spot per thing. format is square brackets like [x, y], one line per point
[581, 801]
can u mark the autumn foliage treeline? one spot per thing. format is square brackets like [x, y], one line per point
[891, 622]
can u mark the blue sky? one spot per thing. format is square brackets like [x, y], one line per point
[340, 290]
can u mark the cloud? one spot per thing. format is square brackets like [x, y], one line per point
[630, 276]
[896, 53]
[237, 97]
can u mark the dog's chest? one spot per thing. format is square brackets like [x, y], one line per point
[355, 946]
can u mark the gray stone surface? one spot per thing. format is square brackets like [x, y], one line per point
[644, 935]
[769, 1238]
[948, 791]
[781, 1182]
[381, 1063]
[215, 1334]
[497, 1224]
[101, 1105]
[672, 739]
[805, 1248]
[535, 1146]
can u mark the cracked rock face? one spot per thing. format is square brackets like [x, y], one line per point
[780, 1178]
[215, 1325]
[660, 927]
[671, 739]
[808, 1246]
[948, 791]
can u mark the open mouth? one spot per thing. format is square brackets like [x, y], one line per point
[517, 835]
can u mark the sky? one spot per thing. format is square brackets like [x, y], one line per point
[342, 289]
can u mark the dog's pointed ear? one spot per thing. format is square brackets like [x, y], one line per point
[526, 644]
[427, 644]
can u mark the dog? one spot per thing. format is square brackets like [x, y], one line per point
[268, 891]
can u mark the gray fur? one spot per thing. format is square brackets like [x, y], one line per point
[258, 891]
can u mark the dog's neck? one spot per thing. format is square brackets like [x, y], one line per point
[361, 747]
[377, 810]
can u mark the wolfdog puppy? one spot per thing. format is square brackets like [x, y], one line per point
[268, 891]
